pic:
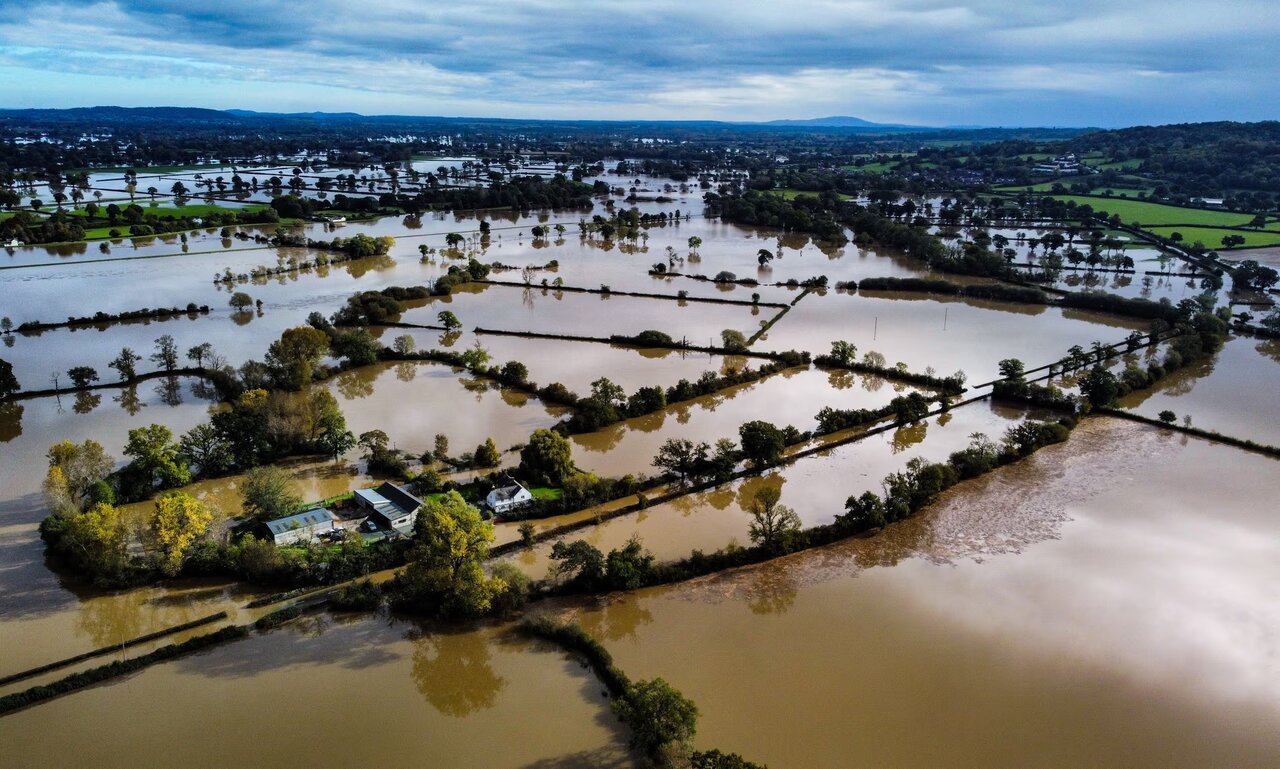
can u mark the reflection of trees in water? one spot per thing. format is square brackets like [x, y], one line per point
[170, 391]
[86, 401]
[354, 384]
[406, 371]
[453, 673]
[772, 591]
[616, 618]
[908, 435]
[839, 379]
[1270, 348]
[753, 485]
[871, 383]
[129, 401]
[10, 421]
[450, 338]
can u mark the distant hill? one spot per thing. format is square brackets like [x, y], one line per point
[841, 121]
[121, 114]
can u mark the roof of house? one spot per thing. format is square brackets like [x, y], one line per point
[314, 518]
[399, 497]
[508, 489]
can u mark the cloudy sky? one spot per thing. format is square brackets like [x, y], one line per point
[927, 62]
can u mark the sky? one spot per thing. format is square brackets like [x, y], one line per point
[922, 62]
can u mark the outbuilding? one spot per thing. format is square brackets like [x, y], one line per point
[301, 527]
[390, 506]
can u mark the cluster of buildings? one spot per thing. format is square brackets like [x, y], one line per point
[1063, 164]
[389, 510]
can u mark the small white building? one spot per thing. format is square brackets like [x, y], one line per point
[509, 494]
[301, 527]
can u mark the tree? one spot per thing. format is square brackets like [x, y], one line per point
[487, 454]
[864, 512]
[203, 447]
[82, 376]
[844, 353]
[475, 356]
[200, 353]
[330, 433]
[773, 526]
[1168, 417]
[1100, 386]
[764, 256]
[448, 320]
[126, 363]
[1012, 369]
[681, 457]
[79, 466]
[579, 561]
[8, 382]
[444, 573]
[733, 340]
[404, 345]
[547, 459]
[357, 347]
[269, 494]
[627, 567]
[658, 715]
[240, 301]
[156, 462]
[166, 354]
[441, 446]
[178, 522]
[762, 442]
[515, 371]
[98, 541]
[453, 239]
[293, 357]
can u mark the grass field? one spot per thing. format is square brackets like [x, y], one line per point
[174, 212]
[1212, 237]
[790, 194]
[1157, 214]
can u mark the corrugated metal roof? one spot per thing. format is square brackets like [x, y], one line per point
[307, 519]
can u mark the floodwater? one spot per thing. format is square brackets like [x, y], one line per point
[336, 693]
[791, 397]
[1123, 615]
[1232, 393]
[815, 487]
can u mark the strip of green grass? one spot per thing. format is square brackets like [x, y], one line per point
[1157, 214]
[1212, 237]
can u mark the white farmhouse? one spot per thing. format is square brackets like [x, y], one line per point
[509, 494]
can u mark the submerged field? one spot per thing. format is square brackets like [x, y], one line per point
[1023, 619]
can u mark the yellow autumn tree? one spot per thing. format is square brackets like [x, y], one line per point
[98, 539]
[57, 494]
[179, 521]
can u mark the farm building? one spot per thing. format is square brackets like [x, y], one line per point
[390, 506]
[301, 527]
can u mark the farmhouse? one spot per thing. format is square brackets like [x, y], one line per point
[301, 527]
[390, 506]
[509, 494]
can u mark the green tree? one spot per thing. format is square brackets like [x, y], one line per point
[844, 353]
[864, 512]
[156, 461]
[166, 354]
[762, 442]
[733, 340]
[240, 301]
[293, 357]
[203, 447]
[658, 715]
[126, 363]
[330, 433]
[487, 454]
[578, 561]
[475, 357]
[547, 459]
[448, 320]
[773, 526]
[627, 568]
[444, 574]
[1012, 369]
[200, 353]
[681, 457]
[1100, 386]
[268, 493]
[404, 345]
[441, 446]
